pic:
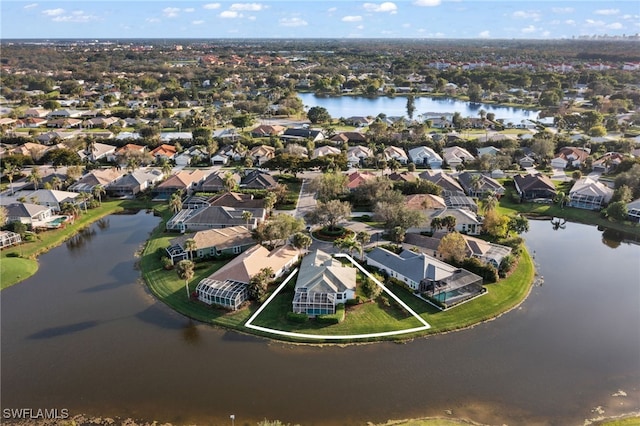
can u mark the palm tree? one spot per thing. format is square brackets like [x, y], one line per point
[191, 246]
[270, 201]
[185, 272]
[175, 202]
[165, 166]
[490, 202]
[301, 241]
[98, 191]
[35, 178]
[56, 182]
[476, 184]
[363, 238]
[247, 216]
[229, 182]
[10, 171]
[436, 224]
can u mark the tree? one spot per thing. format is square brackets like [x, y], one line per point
[175, 202]
[51, 105]
[449, 222]
[190, 245]
[301, 241]
[330, 213]
[35, 177]
[10, 171]
[490, 202]
[348, 244]
[185, 271]
[495, 224]
[165, 166]
[518, 224]
[270, 201]
[436, 224]
[617, 210]
[318, 114]
[278, 229]
[622, 193]
[370, 288]
[474, 92]
[98, 191]
[3, 215]
[453, 246]
[395, 214]
[229, 182]
[259, 283]
[242, 121]
[562, 199]
[329, 186]
[247, 216]
[411, 106]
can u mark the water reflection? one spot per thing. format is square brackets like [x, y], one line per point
[558, 223]
[48, 333]
[190, 333]
[79, 240]
[103, 223]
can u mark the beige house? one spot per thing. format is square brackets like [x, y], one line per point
[249, 263]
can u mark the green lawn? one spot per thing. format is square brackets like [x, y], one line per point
[15, 269]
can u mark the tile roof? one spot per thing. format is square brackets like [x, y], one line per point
[249, 263]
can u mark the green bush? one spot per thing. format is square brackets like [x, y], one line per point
[354, 301]
[295, 317]
[336, 318]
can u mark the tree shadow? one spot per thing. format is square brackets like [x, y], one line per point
[52, 332]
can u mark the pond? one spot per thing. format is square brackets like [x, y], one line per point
[84, 334]
[349, 106]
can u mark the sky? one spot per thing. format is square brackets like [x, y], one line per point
[467, 19]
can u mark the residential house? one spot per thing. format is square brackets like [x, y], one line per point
[220, 159]
[8, 238]
[527, 162]
[455, 156]
[322, 151]
[449, 185]
[461, 201]
[349, 137]
[227, 294]
[211, 243]
[633, 209]
[358, 121]
[28, 213]
[36, 112]
[433, 278]
[266, 130]
[532, 187]
[188, 155]
[214, 217]
[51, 198]
[186, 181]
[589, 194]
[608, 162]
[215, 182]
[252, 261]
[488, 150]
[402, 177]
[487, 252]
[32, 122]
[122, 153]
[569, 156]
[133, 183]
[467, 222]
[425, 156]
[357, 154]
[356, 179]
[30, 149]
[98, 151]
[323, 283]
[396, 153]
[479, 185]
[423, 202]
[94, 178]
[164, 151]
[261, 154]
[53, 137]
[302, 133]
[257, 179]
[236, 200]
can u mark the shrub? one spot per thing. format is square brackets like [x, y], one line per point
[166, 262]
[354, 301]
[296, 317]
[336, 318]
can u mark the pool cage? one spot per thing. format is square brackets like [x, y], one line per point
[313, 303]
[586, 201]
[229, 294]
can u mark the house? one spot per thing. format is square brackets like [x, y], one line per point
[32, 122]
[527, 162]
[164, 151]
[422, 273]
[349, 137]
[425, 156]
[589, 194]
[445, 181]
[479, 185]
[36, 112]
[608, 162]
[402, 177]
[424, 202]
[210, 243]
[257, 179]
[357, 154]
[266, 130]
[261, 154]
[228, 294]
[358, 121]
[51, 198]
[633, 209]
[488, 150]
[8, 238]
[121, 154]
[30, 149]
[396, 153]
[236, 200]
[186, 156]
[102, 177]
[133, 183]
[50, 138]
[216, 181]
[569, 156]
[461, 201]
[185, 181]
[356, 179]
[487, 252]
[28, 213]
[323, 283]
[531, 187]
[467, 222]
[252, 261]
[98, 151]
[214, 217]
[322, 151]
[220, 159]
[455, 156]
[302, 133]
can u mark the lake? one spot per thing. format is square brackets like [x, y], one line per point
[349, 106]
[85, 334]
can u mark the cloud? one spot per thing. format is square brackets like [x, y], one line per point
[170, 12]
[230, 14]
[570, 22]
[360, 27]
[152, 20]
[189, 10]
[615, 26]
[562, 9]
[382, 7]
[30, 6]
[53, 12]
[198, 22]
[607, 12]
[249, 7]
[352, 18]
[529, 29]
[332, 9]
[484, 34]
[292, 22]
[526, 14]
[212, 6]
[77, 16]
[427, 3]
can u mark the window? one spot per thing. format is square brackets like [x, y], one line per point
[339, 296]
[237, 250]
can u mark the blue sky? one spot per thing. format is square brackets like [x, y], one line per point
[540, 19]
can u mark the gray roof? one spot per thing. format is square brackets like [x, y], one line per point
[25, 210]
[321, 273]
[219, 215]
[416, 266]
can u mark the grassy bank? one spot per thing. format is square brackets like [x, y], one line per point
[19, 262]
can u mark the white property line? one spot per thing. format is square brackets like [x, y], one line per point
[426, 326]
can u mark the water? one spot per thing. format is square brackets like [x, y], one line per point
[349, 106]
[85, 335]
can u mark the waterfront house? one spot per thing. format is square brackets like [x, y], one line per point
[633, 209]
[323, 283]
[214, 217]
[186, 181]
[133, 183]
[28, 213]
[8, 238]
[425, 156]
[211, 243]
[531, 187]
[252, 261]
[228, 294]
[102, 177]
[427, 275]
[589, 194]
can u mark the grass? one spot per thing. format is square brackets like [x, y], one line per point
[13, 272]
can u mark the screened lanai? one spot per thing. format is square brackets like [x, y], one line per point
[228, 293]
